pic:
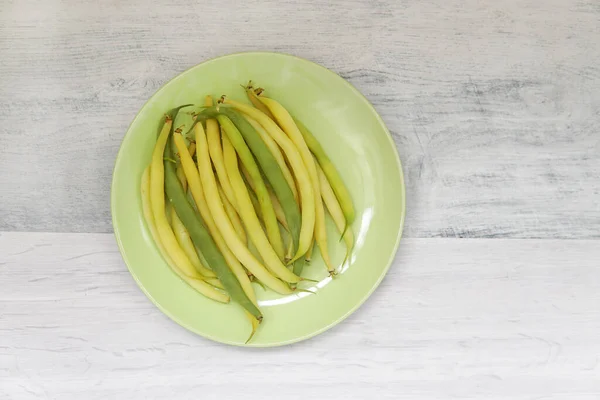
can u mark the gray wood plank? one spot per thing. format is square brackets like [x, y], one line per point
[455, 318]
[494, 106]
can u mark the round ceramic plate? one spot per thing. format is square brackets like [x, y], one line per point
[358, 144]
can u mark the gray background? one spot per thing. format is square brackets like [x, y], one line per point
[494, 106]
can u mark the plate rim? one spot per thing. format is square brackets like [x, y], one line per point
[337, 320]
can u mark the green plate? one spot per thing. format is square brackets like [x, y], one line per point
[357, 142]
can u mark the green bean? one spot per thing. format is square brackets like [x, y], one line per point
[307, 198]
[213, 136]
[331, 173]
[253, 97]
[255, 203]
[274, 200]
[269, 217]
[308, 255]
[208, 181]
[335, 210]
[196, 281]
[250, 138]
[248, 215]
[290, 251]
[202, 239]
[275, 176]
[277, 154]
[273, 173]
[199, 199]
[271, 170]
[284, 119]
[183, 237]
[234, 218]
[157, 196]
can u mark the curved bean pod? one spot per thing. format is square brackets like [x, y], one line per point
[337, 184]
[220, 217]
[308, 256]
[272, 145]
[200, 236]
[268, 213]
[274, 200]
[195, 186]
[284, 119]
[253, 97]
[233, 215]
[272, 260]
[307, 198]
[195, 282]
[180, 174]
[215, 150]
[181, 234]
[184, 240]
[157, 200]
[147, 211]
[335, 210]
[215, 282]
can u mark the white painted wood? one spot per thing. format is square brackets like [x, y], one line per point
[454, 319]
[494, 105]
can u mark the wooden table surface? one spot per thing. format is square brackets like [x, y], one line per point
[495, 110]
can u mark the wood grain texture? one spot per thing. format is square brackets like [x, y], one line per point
[455, 318]
[494, 106]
